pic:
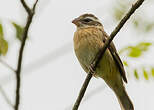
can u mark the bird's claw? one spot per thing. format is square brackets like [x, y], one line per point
[91, 69]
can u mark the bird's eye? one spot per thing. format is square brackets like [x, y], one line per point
[87, 20]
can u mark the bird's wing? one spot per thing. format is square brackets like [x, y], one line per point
[116, 57]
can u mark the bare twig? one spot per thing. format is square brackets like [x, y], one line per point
[26, 6]
[34, 6]
[6, 97]
[25, 33]
[101, 52]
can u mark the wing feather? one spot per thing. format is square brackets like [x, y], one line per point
[116, 57]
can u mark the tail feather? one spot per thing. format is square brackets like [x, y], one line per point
[124, 100]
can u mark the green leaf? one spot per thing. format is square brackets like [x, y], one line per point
[3, 46]
[152, 71]
[124, 49]
[125, 63]
[1, 31]
[135, 52]
[143, 46]
[19, 31]
[3, 42]
[145, 74]
[136, 74]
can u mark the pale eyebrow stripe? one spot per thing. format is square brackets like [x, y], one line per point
[92, 18]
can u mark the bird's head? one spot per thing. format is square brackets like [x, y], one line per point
[86, 20]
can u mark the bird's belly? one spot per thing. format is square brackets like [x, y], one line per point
[106, 67]
[108, 70]
[86, 54]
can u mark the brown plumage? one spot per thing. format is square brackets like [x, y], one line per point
[88, 40]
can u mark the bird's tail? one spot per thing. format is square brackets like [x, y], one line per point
[124, 100]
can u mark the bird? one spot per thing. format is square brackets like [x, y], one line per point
[88, 39]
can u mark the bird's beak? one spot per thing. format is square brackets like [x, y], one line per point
[75, 21]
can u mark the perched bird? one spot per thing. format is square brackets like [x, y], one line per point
[88, 39]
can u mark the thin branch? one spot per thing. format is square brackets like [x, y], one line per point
[28, 10]
[101, 52]
[7, 65]
[34, 6]
[82, 91]
[25, 33]
[6, 97]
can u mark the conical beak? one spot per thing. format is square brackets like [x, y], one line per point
[75, 21]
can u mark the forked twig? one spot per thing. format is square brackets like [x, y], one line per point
[25, 33]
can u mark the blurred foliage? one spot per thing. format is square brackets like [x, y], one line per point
[140, 72]
[136, 74]
[120, 9]
[125, 63]
[3, 42]
[137, 50]
[152, 71]
[142, 24]
[139, 22]
[145, 74]
[19, 30]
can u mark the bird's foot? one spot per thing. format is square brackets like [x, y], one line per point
[91, 69]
